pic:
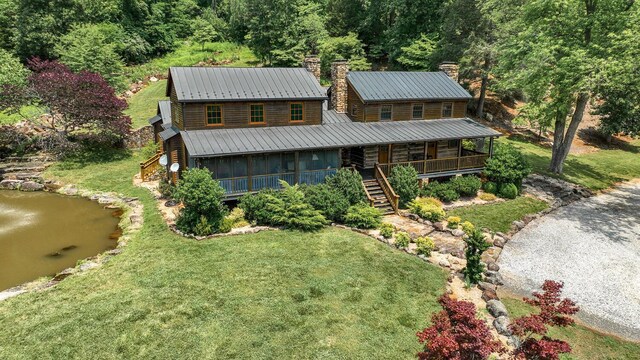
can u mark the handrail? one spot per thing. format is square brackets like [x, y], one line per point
[371, 201]
[432, 166]
[386, 188]
[150, 165]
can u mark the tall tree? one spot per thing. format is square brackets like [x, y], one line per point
[554, 56]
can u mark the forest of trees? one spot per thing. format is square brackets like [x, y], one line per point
[557, 55]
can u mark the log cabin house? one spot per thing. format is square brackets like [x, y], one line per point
[253, 127]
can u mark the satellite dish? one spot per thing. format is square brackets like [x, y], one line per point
[163, 160]
[174, 167]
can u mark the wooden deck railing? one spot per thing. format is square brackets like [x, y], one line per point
[386, 188]
[433, 166]
[150, 166]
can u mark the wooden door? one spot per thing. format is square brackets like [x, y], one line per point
[432, 150]
[383, 154]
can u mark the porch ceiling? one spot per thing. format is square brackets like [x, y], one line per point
[221, 142]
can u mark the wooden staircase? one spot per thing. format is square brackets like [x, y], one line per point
[377, 197]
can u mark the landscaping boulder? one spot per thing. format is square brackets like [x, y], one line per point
[489, 294]
[10, 184]
[496, 308]
[519, 224]
[493, 277]
[31, 186]
[493, 266]
[457, 233]
[499, 241]
[482, 285]
[440, 226]
[501, 323]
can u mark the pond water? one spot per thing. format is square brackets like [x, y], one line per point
[43, 233]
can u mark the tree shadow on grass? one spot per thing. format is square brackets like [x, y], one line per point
[94, 155]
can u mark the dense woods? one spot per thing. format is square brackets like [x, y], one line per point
[557, 56]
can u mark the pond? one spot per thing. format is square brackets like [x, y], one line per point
[43, 233]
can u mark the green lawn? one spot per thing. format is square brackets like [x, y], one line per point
[586, 343]
[28, 111]
[143, 104]
[598, 170]
[499, 216]
[278, 294]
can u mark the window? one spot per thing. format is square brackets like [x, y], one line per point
[214, 115]
[385, 112]
[452, 144]
[296, 111]
[417, 111]
[447, 110]
[354, 110]
[256, 113]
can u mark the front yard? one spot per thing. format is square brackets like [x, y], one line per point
[499, 216]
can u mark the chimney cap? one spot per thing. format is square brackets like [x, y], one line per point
[339, 61]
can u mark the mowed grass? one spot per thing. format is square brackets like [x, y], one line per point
[585, 343]
[143, 105]
[499, 216]
[27, 111]
[277, 294]
[598, 170]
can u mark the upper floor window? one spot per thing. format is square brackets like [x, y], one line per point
[386, 112]
[354, 110]
[214, 115]
[447, 110]
[256, 113]
[296, 111]
[417, 111]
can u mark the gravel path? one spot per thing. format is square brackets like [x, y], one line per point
[593, 246]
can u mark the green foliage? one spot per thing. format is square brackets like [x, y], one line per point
[418, 55]
[425, 245]
[290, 210]
[150, 149]
[499, 216]
[468, 227]
[386, 230]
[402, 240]
[203, 32]
[165, 187]
[443, 191]
[255, 206]
[201, 195]
[507, 165]
[236, 216]
[349, 184]
[404, 181]
[453, 222]
[487, 196]
[363, 216]
[508, 191]
[328, 199]
[476, 245]
[226, 225]
[490, 187]
[427, 208]
[203, 228]
[12, 72]
[347, 47]
[466, 185]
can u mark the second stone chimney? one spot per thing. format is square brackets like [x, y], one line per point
[312, 64]
[339, 70]
[451, 69]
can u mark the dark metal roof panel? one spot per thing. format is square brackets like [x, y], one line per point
[332, 117]
[165, 111]
[155, 119]
[169, 133]
[245, 84]
[220, 142]
[405, 85]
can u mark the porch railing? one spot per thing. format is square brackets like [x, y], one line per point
[150, 166]
[433, 166]
[244, 184]
[386, 188]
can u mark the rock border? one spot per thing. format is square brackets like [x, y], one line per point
[131, 221]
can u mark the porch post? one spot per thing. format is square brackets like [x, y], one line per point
[491, 147]
[426, 156]
[249, 174]
[297, 167]
[459, 152]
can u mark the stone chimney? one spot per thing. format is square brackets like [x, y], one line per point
[451, 69]
[339, 70]
[312, 64]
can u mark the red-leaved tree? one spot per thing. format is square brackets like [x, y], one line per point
[457, 334]
[532, 329]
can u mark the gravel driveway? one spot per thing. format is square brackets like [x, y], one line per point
[593, 246]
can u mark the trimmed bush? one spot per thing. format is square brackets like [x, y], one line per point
[468, 227]
[291, 211]
[255, 206]
[466, 185]
[226, 225]
[443, 191]
[201, 196]
[349, 184]
[453, 222]
[427, 208]
[402, 240]
[507, 165]
[363, 216]
[203, 228]
[386, 230]
[404, 181]
[508, 191]
[487, 197]
[331, 202]
[490, 187]
[425, 245]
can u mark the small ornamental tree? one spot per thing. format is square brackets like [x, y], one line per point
[349, 184]
[456, 333]
[532, 329]
[290, 210]
[476, 245]
[201, 196]
[404, 181]
[507, 165]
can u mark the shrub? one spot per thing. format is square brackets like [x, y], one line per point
[386, 230]
[226, 225]
[507, 165]
[443, 191]
[466, 185]
[427, 208]
[476, 245]
[453, 222]
[402, 240]
[468, 227]
[201, 196]
[236, 218]
[290, 210]
[490, 187]
[165, 187]
[328, 200]
[349, 184]
[255, 206]
[425, 245]
[363, 216]
[404, 181]
[203, 228]
[508, 191]
[150, 149]
[487, 197]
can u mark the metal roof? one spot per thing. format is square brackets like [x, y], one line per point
[155, 119]
[244, 84]
[164, 108]
[332, 117]
[220, 142]
[405, 85]
[169, 132]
